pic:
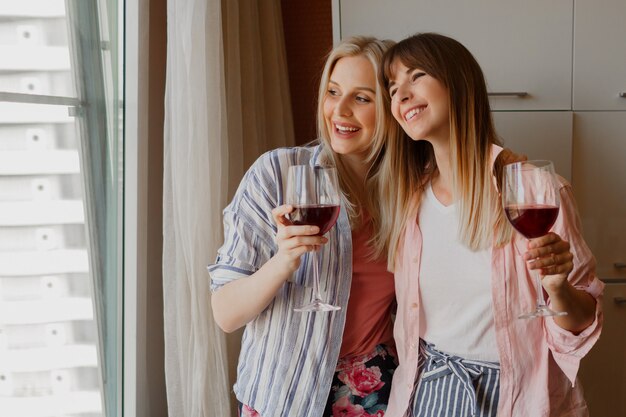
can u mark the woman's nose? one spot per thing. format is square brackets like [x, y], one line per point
[402, 94]
[343, 108]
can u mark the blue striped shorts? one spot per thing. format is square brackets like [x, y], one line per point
[450, 386]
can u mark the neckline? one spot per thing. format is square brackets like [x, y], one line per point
[438, 204]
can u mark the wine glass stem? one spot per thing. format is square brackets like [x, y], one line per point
[541, 303]
[316, 276]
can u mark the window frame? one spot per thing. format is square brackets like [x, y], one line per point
[144, 393]
[80, 110]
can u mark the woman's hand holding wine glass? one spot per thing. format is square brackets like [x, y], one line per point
[313, 193]
[293, 241]
[550, 256]
[531, 202]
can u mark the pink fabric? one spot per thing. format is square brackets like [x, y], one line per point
[248, 412]
[538, 359]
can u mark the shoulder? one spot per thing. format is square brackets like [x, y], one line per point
[280, 159]
[265, 180]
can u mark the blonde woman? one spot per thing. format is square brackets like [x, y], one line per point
[314, 364]
[461, 273]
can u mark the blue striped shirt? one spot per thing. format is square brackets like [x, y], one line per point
[287, 359]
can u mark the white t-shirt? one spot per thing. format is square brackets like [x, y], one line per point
[455, 287]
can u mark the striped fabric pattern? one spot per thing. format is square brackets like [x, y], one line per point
[450, 386]
[287, 359]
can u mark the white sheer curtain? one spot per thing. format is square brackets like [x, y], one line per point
[226, 102]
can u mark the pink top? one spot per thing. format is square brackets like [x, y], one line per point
[368, 317]
[538, 359]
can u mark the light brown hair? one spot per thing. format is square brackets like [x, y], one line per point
[360, 198]
[472, 135]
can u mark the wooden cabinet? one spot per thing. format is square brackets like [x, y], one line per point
[599, 55]
[603, 370]
[570, 57]
[521, 46]
[599, 178]
[539, 135]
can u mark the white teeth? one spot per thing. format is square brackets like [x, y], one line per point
[413, 112]
[346, 128]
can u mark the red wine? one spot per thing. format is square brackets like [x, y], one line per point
[532, 220]
[323, 216]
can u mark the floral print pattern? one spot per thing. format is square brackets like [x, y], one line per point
[362, 381]
[344, 408]
[362, 384]
[360, 387]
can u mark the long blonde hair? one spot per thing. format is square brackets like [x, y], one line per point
[472, 134]
[359, 197]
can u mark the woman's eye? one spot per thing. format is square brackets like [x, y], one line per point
[332, 92]
[416, 75]
[392, 92]
[363, 99]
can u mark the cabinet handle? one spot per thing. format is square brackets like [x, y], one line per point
[508, 93]
[619, 265]
[620, 301]
[622, 94]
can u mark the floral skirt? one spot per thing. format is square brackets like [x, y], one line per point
[360, 387]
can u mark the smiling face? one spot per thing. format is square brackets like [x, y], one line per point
[349, 106]
[420, 103]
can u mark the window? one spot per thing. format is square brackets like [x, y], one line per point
[60, 207]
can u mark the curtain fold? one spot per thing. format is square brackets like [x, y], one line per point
[226, 101]
[259, 105]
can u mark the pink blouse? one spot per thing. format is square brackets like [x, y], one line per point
[538, 359]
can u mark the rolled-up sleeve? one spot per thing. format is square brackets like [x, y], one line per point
[568, 348]
[242, 253]
[248, 229]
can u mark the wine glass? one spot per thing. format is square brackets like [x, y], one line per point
[530, 199]
[314, 194]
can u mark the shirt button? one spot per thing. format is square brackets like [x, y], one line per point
[413, 345]
[414, 305]
[415, 260]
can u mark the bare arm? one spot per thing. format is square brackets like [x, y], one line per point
[240, 301]
[551, 255]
